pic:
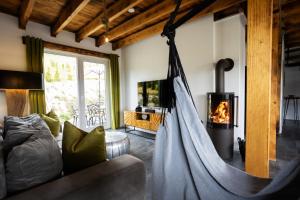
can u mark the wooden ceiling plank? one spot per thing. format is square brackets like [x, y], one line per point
[157, 28]
[72, 8]
[25, 12]
[292, 8]
[152, 14]
[116, 10]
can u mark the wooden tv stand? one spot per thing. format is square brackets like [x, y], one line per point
[143, 120]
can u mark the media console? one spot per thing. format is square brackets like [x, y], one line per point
[143, 120]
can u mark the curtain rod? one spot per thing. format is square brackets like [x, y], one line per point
[62, 47]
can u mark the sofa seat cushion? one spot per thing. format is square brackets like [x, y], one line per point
[81, 149]
[32, 161]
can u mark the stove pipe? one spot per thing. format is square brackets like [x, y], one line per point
[223, 65]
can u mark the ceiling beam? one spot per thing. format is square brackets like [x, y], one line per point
[25, 12]
[293, 44]
[158, 28]
[154, 13]
[116, 10]
[292, 8]
[293, 65]
[72, 8]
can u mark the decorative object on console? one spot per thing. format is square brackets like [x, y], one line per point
[138, 108]
[149, 110]
[81, 149]
[143, 120]
[52, 121]
[33, 156]
[16, 85]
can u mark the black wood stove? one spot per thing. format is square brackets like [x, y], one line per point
[220, 115]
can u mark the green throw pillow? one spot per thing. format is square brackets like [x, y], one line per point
[81, 149]
[52, 121]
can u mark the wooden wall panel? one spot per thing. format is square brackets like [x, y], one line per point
[259, 54]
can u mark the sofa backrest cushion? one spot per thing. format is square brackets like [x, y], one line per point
[2, 171]
[81, 149]
[34, 161]
[52, 121]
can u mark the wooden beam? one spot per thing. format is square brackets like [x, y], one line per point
[293, 64]
[72, 8]
[291, 8]
[76, 50]
[293, 44]
[259, 54]
[25, 12]
[61, 47]
[292, 21]
[275, 80]
[158, 28]
[113, 12]
[156, 12]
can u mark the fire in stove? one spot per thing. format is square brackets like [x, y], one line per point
[221, 114]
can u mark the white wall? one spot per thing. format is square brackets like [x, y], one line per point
[200, 44]
[148, 60]
[13, 54]
[291, 87]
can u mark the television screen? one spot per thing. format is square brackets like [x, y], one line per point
[151, 93]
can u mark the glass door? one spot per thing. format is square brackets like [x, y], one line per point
[96, 99]
[61, 86]
[77, 88]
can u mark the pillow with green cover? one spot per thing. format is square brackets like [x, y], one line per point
[81, 149]
[52, 121]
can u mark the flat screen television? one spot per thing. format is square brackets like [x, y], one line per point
[151, 93]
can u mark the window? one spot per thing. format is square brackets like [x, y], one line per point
[76, 87]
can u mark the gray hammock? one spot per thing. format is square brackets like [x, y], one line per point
[186, 164]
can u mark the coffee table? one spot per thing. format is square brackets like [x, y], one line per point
[117, 143]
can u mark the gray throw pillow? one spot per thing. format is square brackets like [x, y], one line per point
[2, 172]
[33, 161]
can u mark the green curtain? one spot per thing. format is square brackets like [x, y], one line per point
[114, 91]
[34, 59]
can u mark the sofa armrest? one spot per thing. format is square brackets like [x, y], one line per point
[119, 178]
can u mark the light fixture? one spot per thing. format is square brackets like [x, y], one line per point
[105, 21]
[131, 10]
[20, 80]
[16, 85]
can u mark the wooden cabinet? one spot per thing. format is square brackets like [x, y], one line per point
[143, 120]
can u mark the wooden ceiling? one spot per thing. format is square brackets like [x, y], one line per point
[85, 17]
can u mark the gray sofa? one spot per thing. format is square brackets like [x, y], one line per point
[33, 157]
[119, 178]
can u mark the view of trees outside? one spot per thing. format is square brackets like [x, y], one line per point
[61, 85]
[61, 89]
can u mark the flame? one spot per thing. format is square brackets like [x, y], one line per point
[221, 114]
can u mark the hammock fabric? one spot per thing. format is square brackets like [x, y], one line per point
[186, 164]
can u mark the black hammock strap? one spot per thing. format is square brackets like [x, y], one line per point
[175, 67]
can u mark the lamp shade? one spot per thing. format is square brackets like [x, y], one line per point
[21, 80]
